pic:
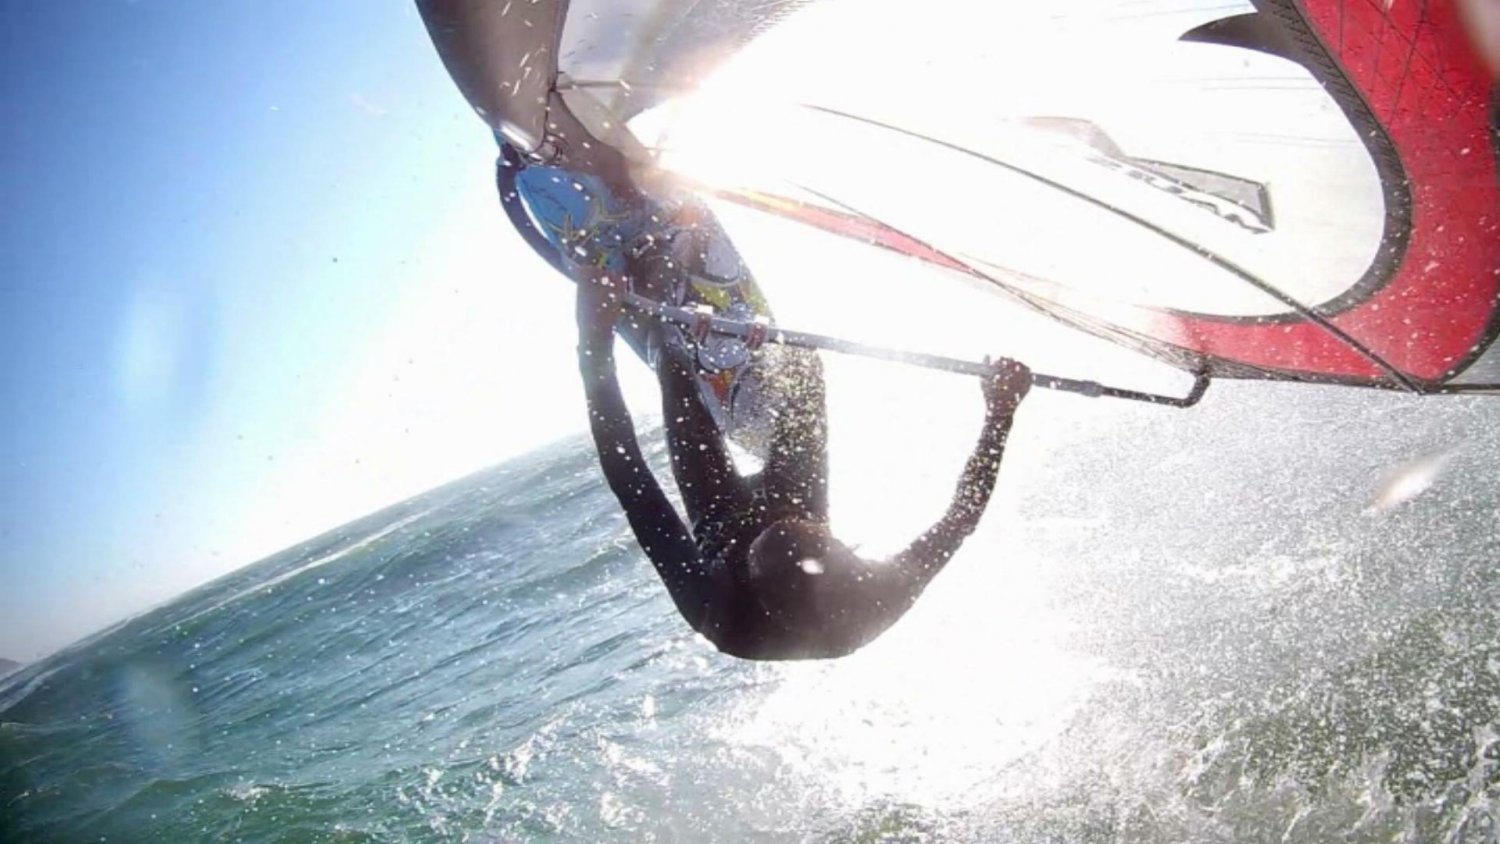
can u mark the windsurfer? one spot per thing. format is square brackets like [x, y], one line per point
[759, 574]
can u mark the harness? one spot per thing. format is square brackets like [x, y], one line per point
[506, 169]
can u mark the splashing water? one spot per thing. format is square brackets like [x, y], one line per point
[1170, 627]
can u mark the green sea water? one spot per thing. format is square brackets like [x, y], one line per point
[1271, 619]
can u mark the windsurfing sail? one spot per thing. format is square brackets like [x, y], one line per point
[1284, 189]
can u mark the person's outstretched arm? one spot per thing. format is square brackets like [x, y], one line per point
[1003, 392]
[654, 520]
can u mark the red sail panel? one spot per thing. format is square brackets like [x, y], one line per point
[1432, 306]
[1409, 82]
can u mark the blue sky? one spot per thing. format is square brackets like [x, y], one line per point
[256, 283]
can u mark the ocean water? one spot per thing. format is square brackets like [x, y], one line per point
[1273, 618]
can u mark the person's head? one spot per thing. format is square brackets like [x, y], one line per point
[796, 567]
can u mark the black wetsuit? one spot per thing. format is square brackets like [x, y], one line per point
[704, 569]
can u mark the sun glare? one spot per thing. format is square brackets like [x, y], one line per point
[976, 677]
[745, 126]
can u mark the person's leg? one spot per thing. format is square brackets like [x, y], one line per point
[796, 471]
[701, 462]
